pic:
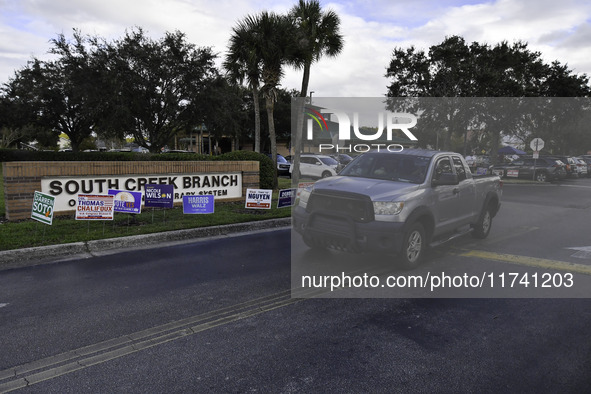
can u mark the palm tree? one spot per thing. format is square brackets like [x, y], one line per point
[243, 65]
[317, 35]
[259, 48]
[276, 47]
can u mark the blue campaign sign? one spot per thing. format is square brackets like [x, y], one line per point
[159, 196]
[126, 201]
[198, 204]
[286, 198]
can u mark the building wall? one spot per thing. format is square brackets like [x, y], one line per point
[22, 179]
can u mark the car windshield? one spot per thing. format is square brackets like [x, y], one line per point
[329, 161]
[281, 159]
[394, 167]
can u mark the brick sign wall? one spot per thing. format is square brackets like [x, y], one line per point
[227, 180]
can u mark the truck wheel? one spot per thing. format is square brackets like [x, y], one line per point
[326, 174]
[413, 247]
[483, 225]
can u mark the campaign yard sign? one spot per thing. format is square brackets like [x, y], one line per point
[512, 173]
[198, 204]
[258, 198]
[43, 208]
[126, 201]
[95, 207]
[286, 198]
[159, 196]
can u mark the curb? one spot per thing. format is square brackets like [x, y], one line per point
[18, 258]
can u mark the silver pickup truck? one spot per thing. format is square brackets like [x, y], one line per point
[397, 203]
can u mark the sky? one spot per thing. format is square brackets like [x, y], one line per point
[372, 29]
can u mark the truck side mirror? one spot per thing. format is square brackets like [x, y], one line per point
[445, 179]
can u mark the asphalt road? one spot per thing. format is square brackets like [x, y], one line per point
[217, 316]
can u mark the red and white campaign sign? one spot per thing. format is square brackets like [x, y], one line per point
[95, 207]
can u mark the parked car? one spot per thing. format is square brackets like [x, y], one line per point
[316, 166]
[542, 169]
[177, 151]
[583, 166]
[282, 164]
[587, 159]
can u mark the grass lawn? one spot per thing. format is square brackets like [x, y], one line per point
[65, 229]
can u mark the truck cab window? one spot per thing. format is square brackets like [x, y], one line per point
[460, 169]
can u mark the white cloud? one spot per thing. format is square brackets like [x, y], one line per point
[372, 28]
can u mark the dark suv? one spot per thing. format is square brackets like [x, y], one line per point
[542, 169]
[282, 164]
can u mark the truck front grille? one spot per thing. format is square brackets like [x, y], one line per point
[354, 206]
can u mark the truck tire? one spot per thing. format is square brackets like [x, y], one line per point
[413, 246]
[483, 225]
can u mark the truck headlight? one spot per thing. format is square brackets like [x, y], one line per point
[387, 207]
[303, 199]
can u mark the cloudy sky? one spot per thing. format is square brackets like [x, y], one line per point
[560, 30]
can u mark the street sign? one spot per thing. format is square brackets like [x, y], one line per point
[43, 208]
[537, 144]
[536, 154]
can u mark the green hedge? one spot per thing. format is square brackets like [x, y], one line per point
[266, 165]
[28, 155]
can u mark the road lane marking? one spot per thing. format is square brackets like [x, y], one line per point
[583, 252]
[51, 367]
[528, 261]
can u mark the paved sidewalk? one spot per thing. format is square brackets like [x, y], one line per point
[47, 254]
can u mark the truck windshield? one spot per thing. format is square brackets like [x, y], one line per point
[391, 167]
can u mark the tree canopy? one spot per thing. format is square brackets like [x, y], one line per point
[453, 69]
[157, 87]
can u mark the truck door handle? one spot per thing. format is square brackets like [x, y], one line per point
[456, 191]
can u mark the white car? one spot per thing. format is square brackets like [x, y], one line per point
[316, 166]
[582, 167]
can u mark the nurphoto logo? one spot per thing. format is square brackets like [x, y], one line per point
[351, 131]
